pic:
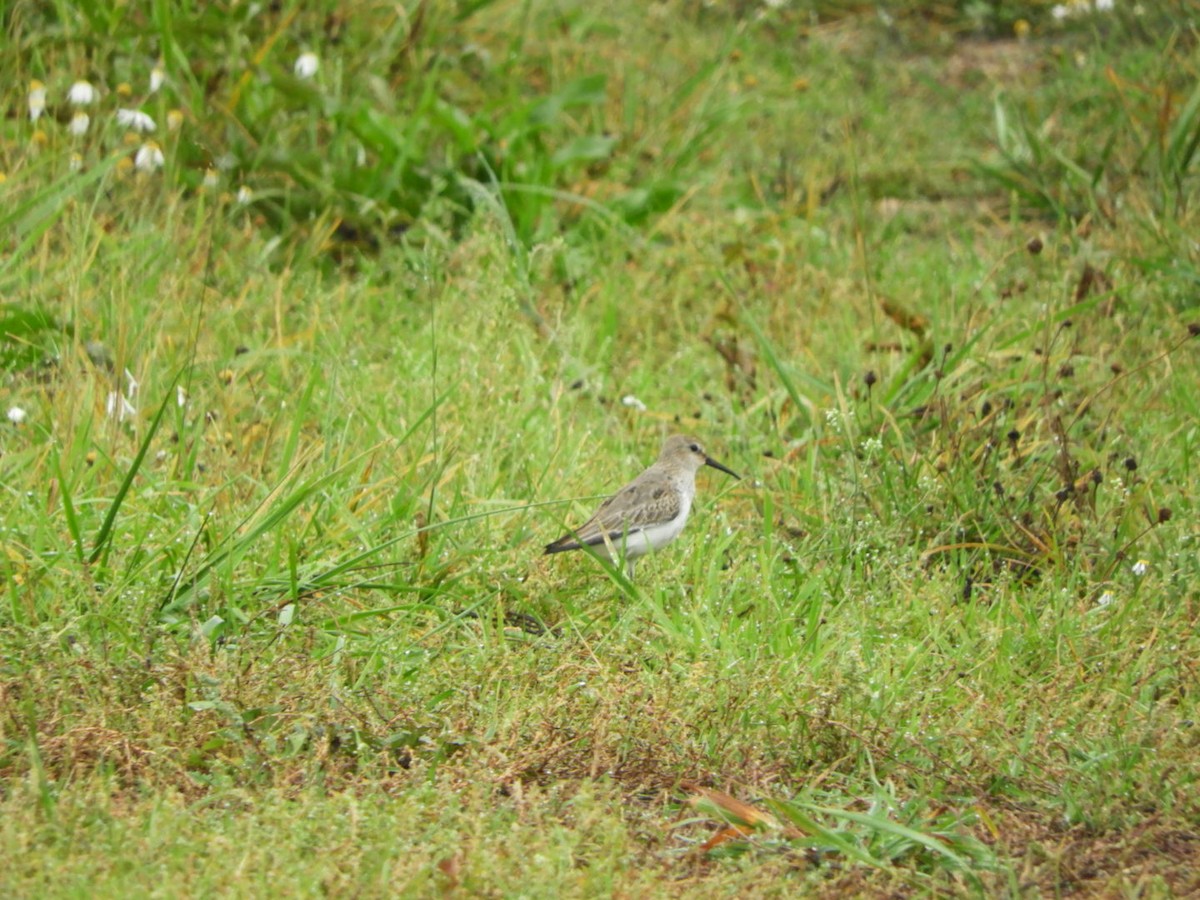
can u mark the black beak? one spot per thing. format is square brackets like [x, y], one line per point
[709, 461]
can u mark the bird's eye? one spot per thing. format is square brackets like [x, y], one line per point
[695, 448]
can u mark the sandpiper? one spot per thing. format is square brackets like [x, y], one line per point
[650, 511]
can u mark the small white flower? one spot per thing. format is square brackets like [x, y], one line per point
[306, 65]
[81, 94]
[79, 124]
[157, 77]
[149, 157]
[1140, 567]
[118, 407]
[37, 100]
[1106, 599]
[75, 163]
[244, 194]
[16, 415]
[1104, 5]
[174, 120]
[180, 396]
[633, 403]
[136, 120]
[1059, 12]
[211, 178]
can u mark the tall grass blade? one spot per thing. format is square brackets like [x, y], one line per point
[104, 535]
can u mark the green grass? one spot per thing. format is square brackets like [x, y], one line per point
[284, 625]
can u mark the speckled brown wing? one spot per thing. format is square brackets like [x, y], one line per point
[647, 500]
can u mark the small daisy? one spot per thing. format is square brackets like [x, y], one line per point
[180, 396]
[79, 123]
[81, 94]
[1106, 599]
[149, 157]
[75, 163]
[212, 178]
[37, 100]
[244, 194]
[118, 407]
[1140, 567]
[174, 120]
[16, 415]
[633, 403]
[157, 78]
[135, 119]
[306, 65]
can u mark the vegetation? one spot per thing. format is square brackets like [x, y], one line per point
[299, 382]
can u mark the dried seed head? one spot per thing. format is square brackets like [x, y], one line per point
[986, 409]
[1034, 246]
[1014, 435]
[870, 378]
[1130, 464]
[1164, 515]
[1194, 328]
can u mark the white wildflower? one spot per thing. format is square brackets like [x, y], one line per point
[244, 194]
[175, 120]
[118, 407]
[1058, 12]
[136, 120]
[1106, 599]
[81, 94]
[157, 78]
[79, 124]
[1104, 5]
[75, 163]
[37, 100]
[633, 403]
[16, 415]
[1140, 567]
[180, 396]
[211, 177]
[149, 157]
[307, 65]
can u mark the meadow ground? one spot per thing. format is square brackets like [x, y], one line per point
[298, 384]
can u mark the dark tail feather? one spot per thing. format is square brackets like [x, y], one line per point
[566, 542]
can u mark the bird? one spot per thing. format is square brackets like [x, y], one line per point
[650, 511]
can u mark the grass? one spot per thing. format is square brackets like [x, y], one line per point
[283, 624]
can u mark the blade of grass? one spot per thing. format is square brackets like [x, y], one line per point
[69, 510]
[104, 535]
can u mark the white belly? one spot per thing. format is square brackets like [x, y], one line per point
[652, 537]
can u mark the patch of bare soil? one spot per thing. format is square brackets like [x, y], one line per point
[1078, 862]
